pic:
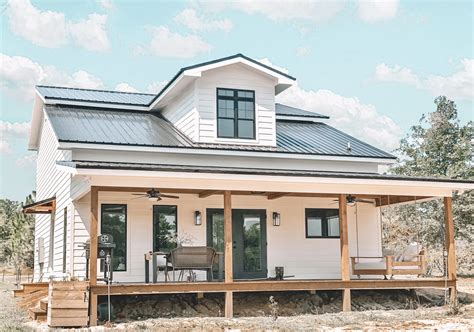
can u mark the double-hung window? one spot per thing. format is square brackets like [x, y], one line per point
[322, 223]
[235, 113]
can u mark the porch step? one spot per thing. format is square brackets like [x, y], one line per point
[27, 288]
[37, 313]
[32, 299]
[18, 292]
[43, 304]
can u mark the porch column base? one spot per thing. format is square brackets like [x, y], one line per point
[346, 300]
[453, 295]
[229, 304]
[93, 309]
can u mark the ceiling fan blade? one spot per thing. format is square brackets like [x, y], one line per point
[139, 194]
[168, 196]
[138, 197]
[364, 201]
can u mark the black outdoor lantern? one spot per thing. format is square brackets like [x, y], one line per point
[276, 219]
[197, 218]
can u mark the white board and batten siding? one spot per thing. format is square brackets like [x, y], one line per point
[52, 182]
[236, 77]
[182, 113]
[305, 258]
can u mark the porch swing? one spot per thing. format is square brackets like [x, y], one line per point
[409, 261]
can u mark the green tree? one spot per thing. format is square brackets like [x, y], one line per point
[439, 146]
[16, 235]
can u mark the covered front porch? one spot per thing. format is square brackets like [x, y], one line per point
[311, 263]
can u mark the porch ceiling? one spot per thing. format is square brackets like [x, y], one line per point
[271, 182]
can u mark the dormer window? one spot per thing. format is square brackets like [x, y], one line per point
[235, 113]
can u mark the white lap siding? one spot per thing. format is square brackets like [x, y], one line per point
[305, 258]
[51, 182]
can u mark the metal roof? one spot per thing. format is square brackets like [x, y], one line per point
[75, 124]
[285, 110]
[139, 128]
[319, 138]
[85, 164]
[95, 96]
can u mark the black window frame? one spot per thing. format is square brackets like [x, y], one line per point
[157, 246]
[312, 212]
[235, 98]
[126, 230]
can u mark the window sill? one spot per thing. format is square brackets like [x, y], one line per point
[235, 140]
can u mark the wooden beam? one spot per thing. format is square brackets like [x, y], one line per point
[93, 253]
[229, 304]
[228, 236]
[449, 237]
[270, 286]
[389, 200]
[207, 193]
[344, 238]
[346, 300]
[276, 195]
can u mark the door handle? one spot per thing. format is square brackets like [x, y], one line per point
[235, 247]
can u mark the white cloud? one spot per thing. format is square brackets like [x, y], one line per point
[42, 28]
[190, 19]
[165, 43]
[458, 85]
[11, 131]
[156, 87]
[27, 160]
[125, 87]
[19, 75]
[316, 11]
[106, 4]
[372, 11]
[395, 74]
[51, 29]
[91, 33]
[267, 62]
[302, 51]
[347, 114]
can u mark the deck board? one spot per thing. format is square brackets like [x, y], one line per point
[266, 285]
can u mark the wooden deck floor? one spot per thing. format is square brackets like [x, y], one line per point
[269, 285]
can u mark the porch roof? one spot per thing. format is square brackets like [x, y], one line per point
[84, 164]
[45, 206]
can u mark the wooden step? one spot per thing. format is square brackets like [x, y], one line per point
[18, 292]
[43, 303]
[37, 313]
[32, 299]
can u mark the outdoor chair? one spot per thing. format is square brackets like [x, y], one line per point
[192, 258]
[410, 261]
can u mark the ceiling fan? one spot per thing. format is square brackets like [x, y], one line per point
[154, 195]
[351, 200]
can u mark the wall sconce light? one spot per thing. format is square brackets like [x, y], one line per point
[197, 218]
[276, 219]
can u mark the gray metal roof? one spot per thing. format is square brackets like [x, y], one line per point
[120, 127]
[286, 110]
[85, 164]
[95, 96]
[319, 138]
[75, 124]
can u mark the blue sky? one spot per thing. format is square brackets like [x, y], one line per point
[374, 67]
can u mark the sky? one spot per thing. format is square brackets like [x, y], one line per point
[373, 67]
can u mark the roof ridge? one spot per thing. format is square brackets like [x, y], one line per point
[97, 90]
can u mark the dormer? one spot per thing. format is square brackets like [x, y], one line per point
[225, 101]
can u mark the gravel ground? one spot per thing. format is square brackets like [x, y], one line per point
[424, 317]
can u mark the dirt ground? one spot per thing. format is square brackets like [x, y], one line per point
[424, 314]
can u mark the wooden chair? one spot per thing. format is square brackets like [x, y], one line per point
[192, 258]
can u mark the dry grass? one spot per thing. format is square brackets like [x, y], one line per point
[11, 317]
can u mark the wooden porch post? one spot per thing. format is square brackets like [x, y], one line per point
[344, 239]
[93, 254]
[449, 241]
[228, 251]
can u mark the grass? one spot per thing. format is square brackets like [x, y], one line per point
[11, 317]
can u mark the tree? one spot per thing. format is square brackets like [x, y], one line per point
[439, 146]
[16, 235]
